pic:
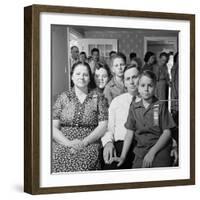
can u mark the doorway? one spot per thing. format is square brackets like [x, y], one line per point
[163, 44]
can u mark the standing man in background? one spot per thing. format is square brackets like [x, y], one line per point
[95, 54]
[74, 55]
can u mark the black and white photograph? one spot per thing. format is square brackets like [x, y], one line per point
[115, 98]
[109, 99]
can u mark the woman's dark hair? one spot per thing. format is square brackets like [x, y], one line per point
[123, 56]
[104, 66]
[149, 74]
[148, 54]
[91, 83]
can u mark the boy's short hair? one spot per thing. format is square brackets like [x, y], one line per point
[118, 55]
[132, 66]
[149, 74]
[123, 56]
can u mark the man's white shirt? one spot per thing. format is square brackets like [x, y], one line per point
[118, 113]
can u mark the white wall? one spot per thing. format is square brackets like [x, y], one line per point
[11, 101]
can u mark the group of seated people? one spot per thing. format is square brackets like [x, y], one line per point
[114, 118]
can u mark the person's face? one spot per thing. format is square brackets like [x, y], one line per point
[80, 76]
[95, 56]
[82, 57]
[75, 53]
[101, 78]
[152, 60]
[146, 87]
[131, 80]
[163, 60]
[118, 67]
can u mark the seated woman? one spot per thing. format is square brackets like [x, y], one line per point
[102, 75]
[79, 121]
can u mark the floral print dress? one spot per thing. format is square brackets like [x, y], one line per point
[77, 121]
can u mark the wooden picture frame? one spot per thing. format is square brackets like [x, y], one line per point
[32, 92]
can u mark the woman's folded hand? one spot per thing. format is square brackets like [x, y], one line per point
[76, 144]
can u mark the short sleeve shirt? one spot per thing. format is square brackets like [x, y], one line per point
[148, 124]
[113, 89]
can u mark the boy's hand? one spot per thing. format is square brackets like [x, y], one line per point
[148, 159]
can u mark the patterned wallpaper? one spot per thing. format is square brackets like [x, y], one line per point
[129, 40]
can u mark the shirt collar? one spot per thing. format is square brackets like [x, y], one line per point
[140, 104]
[114, 82]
